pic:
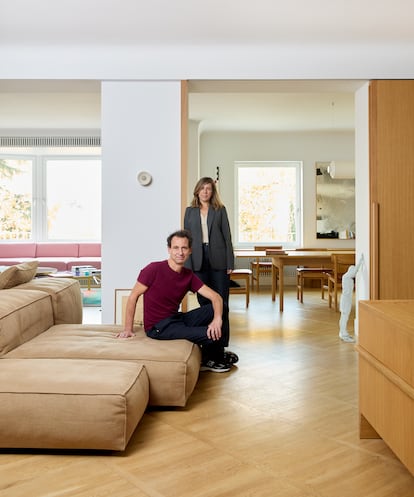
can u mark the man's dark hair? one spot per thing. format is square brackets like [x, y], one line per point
[180, 234]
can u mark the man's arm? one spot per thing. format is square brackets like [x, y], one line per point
[214, 328]
[138, 290]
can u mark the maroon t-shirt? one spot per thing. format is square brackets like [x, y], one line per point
[166, 290]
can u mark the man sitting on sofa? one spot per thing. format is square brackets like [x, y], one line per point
[165, 283]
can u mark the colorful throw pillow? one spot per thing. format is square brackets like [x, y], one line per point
[23, 273]
[6, 275]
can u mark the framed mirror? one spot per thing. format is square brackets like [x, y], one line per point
[335, 200]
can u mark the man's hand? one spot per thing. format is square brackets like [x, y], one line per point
[214, 329]
[125, 334]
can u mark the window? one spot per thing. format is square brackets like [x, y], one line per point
[268, 203]
[50, 198]
[73, 189]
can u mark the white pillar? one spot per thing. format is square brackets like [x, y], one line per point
[141, 131]
[362, 203]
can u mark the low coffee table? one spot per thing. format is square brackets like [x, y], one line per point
[94, 277]
[45, 271]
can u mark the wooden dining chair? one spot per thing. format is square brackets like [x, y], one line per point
[311, 273]
[262, 266]
[304, 273]
[340, 265]
[243, 275]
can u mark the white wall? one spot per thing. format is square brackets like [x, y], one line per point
[193, 158]
[362, 204]
[225, 148]
[140, 132]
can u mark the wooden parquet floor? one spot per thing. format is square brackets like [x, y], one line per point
[284, 422]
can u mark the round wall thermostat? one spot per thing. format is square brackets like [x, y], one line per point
[144, 178]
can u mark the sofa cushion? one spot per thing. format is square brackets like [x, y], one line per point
[89, 250]
[172, 365]
[17, 250]
[44, 249]
[24, 272]
[65, 294]
[76, 404]
[6, 275]
[23, 316]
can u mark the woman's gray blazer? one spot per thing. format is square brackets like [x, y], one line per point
[219, 238]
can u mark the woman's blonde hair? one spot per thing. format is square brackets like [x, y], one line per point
[215, 200]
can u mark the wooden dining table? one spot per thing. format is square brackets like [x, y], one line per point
[310, 258]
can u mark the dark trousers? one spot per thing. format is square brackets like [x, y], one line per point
[192, 326]
[217, 279]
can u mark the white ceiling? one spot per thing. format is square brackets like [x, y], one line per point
[217, 105]
[191, 22]
[49, 105]
[273, 105]
[138, 25]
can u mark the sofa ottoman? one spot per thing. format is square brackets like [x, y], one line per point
[172, 365]
[76, 404]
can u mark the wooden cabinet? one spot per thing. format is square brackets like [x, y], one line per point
[386, 323]
[392, 189]
[386, 375]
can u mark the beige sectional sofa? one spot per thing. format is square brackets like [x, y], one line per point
[66, 385]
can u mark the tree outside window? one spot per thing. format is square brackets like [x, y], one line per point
[15, 199]
[268, 203]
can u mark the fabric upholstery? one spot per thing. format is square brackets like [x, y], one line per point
[89, 250]
[23, 273]
[65, 294]
[172, 365]
[76, 404]
[7, 275]
[23, 315]
[17, 250]
[57, 249]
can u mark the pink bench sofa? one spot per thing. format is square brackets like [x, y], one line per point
[60, 255]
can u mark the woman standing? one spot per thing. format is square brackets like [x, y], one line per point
[212, 257]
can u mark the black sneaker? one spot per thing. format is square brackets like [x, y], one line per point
[230, 357]
[216, 367]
